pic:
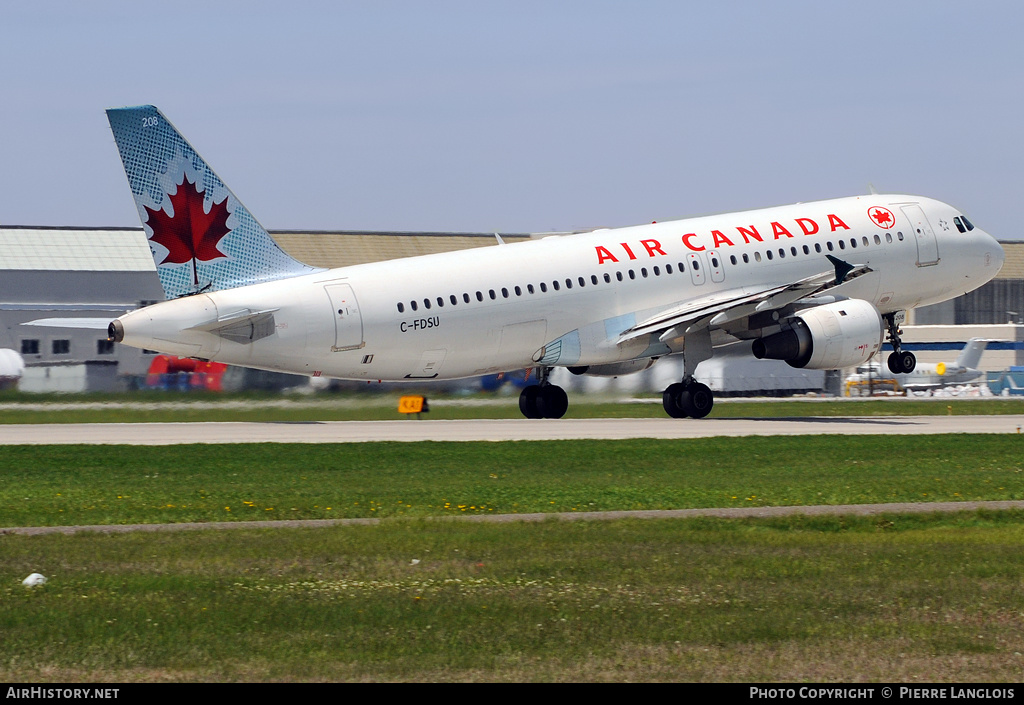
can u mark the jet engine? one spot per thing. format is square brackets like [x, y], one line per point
[828, 337]
[615, 369]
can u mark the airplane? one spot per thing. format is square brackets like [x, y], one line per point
[816, 284]
[929, 376]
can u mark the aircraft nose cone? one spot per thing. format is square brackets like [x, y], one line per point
[998, 255]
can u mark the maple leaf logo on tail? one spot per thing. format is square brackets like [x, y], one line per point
[191, 234]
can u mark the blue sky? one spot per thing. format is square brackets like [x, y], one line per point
[518, 116]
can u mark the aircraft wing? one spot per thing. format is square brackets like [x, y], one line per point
[726, 306]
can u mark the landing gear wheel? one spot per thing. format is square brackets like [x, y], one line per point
[528, 402]
[701, 400]
[902, 363]
[543, 402]
[553, 402]
[670, 400]
[682, 400]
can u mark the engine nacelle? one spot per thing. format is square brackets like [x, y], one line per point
[829, 337]
[615, 369]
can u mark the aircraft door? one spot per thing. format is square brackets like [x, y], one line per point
[927, 245]
[348, 323]
[696, 264]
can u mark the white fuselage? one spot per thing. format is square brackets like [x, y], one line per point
[493, 309]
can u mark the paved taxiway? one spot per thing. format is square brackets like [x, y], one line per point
[492, 430]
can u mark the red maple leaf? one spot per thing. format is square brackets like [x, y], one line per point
[191, 233]
[881, 216]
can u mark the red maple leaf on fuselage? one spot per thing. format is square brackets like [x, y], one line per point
[882, 217]
[191, 234]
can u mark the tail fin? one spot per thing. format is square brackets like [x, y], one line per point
[970, 356]
[201, 236]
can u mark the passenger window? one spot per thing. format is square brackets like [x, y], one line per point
[769, 254]
[632, 274]
[453, 299]
[479, 296]
[504, 292]
[543, 288]
[618, 275]
[491, 293]
[529, 288]
[607, 278]
[401, 307]
[568, 283]
[440, 302]
[465, 297]
[643, 272]
[668, 269]
[413, 304]
[426, 303]
[519, 292]
[657, 272]
[554, 285]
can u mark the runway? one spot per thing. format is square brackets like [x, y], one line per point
[411, 430]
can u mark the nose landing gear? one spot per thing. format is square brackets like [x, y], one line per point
[900, 362]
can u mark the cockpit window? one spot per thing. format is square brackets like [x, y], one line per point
[962, 224]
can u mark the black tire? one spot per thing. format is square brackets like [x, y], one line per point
[670, 400]
[552, 402]
[528, 402]
[702, 399]
[907, 362]
[893, 363]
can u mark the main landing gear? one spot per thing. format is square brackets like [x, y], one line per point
[543, 400]
[688, 398]
[900, 362]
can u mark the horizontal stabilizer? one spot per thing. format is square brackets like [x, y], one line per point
[90, 323]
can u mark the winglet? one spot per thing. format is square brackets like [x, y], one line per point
[842, 268]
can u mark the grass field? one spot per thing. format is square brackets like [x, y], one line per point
[927, 598]
[74, 485]
[934, 598]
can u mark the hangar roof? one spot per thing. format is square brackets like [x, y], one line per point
[75, 249]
